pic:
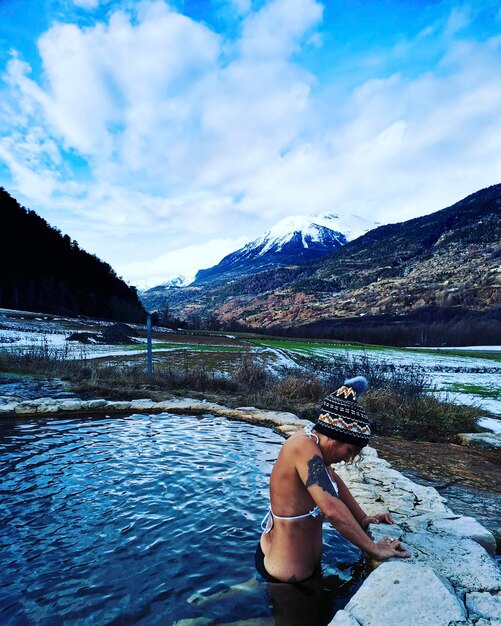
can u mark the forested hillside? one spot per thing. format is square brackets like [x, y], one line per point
[43, 270]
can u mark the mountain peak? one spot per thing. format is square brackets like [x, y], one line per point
[309, 227]
[292, 240]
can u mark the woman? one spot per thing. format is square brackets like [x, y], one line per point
[305, 491]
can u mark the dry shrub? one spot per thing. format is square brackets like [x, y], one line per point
[42, 358]
[418, 417]
[200, 378]
[397, 401]
[296, 388]
[251, 374]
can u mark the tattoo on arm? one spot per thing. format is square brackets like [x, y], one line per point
[317, 475]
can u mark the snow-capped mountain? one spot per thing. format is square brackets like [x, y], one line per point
[292, 240]
[178, 281]
[173, 283]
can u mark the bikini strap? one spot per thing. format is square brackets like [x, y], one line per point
[267, 523]
[308, 430]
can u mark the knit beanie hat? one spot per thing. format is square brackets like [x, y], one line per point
[342, 418]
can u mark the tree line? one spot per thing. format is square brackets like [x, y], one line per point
[43, 270]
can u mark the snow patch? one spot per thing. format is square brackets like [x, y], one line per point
[490, 423]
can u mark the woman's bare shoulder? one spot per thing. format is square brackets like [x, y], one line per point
[300, 443]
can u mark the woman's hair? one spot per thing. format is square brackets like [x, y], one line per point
[356, 456]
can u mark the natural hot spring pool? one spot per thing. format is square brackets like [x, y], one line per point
[140, 520]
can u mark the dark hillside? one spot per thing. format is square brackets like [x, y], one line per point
[387, 251]
[43, 270]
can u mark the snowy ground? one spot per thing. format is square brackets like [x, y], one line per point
[467, 380]
[463, 379]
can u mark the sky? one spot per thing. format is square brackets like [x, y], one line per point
[162, 136]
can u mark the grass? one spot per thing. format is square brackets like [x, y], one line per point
[185, 346]
[472, 354]
[398, 402]
[423, 418]
[477, 390]
[311, 346]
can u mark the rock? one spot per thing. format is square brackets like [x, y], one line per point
[48, 408]
[343, 618]
[167, 405]
[96, 404]
[368, 452]
[453, 558]
[484, 605]
[467, 527]
[26, 407]
[70, 405]
[394, 595]
[287, 430]
[9, 399]
[281, 417]
[142, 404]
[378, 531]
[8, 408]
[118, 405]
[485, 440]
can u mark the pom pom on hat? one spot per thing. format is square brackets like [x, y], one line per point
[341, 417]
[359, 384]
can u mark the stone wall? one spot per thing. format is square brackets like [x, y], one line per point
[451, 578]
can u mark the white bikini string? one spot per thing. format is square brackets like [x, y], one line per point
[308, 430]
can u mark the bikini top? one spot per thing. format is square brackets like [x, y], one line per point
[267, 523]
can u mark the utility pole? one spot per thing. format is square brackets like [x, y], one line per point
[149, 350]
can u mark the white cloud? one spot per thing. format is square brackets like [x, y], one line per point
[148, 100]
[278, 28]
[86, 4]
[242, 6]
[459, 18]
[179, 262]
[199, 139]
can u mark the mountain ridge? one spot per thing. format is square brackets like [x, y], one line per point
[294, 239]
[446, 261]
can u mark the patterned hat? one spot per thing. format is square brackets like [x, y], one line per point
[342, 418]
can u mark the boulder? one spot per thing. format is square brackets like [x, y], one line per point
[8, 408]
[48, 408]
[484, 605]
[118, 405]
[464, 526]
[453, 557]
[343, 618]
[70, 405]
[26, 407]
[143, 403]
[398, 593]
[96, 404]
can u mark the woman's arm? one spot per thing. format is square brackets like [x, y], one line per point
[313, 473]
[345, 495]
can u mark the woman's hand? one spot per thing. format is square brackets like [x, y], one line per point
[381, 518]
[388, 548]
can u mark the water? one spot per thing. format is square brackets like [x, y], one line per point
[143, 520]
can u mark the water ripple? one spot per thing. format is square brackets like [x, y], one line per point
[120, 521]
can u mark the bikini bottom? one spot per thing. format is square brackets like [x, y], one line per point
[259, 559]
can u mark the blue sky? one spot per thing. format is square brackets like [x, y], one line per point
[162, 136]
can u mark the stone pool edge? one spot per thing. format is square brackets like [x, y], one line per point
[450, 578]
